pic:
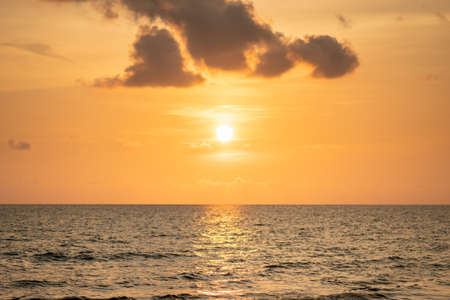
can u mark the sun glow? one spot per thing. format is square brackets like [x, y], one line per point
[224, 133]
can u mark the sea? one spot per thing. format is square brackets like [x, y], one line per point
[76, 252]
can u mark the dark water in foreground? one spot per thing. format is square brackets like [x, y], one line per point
[295, 252]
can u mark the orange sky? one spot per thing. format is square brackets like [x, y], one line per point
[379, 134]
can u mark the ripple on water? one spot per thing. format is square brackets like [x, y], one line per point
[257, 252]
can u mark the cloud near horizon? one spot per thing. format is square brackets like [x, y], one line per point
[220, 35]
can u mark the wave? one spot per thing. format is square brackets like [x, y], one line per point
[51, 256]
[36, 283]
[349, 296]
[192, 276]
[179, 296]
[90, 256]
[74, 298]
[288, 265]
[127, 255]
[342, 296]
[10, 253]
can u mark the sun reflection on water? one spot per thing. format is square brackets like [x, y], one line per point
[221, 242]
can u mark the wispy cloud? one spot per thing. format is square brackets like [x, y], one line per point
[432, 77]
[223, 113]
[344, 21]
[318, 147]
[441, 16]
[37, 48]
[201, 146]
[234, 182]
[213, 148]
[19, 146]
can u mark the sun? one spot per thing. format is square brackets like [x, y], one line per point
[224, 133]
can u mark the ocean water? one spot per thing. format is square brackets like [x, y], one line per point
[250, 252]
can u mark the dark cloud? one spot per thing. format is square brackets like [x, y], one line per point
[275, 61]
[20, 146]
[329, 58]
[36, 48]
[344, 21]
[158, 62]
[218, 34]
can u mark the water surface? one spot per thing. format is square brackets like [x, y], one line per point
[297, 252]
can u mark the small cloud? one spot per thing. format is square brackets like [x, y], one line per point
[344, 21]
[400, 19]
[318, 147]
[329, 58]
[107, 7]
[441, 16]
[237, 181]
[223, 113]
[129, 144]
[36, 48]
[214, 149]
[200, 146]
[106, 82]
[215, 183]
[432, 77]
[19, 146]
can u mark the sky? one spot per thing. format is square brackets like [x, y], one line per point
[330, 102]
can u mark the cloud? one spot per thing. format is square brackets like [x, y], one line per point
[318, 147]
[20, 146]
[200, 146]
[215, 183]
[432, 77]
[274, 61]
[217, 32]
[441, 16]
[105, 6]
[329, 58]
[232, 114]
[212, 147]
[237, 181]
[344, 21]
[36, 48]
[158, 62]
[224, 35]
